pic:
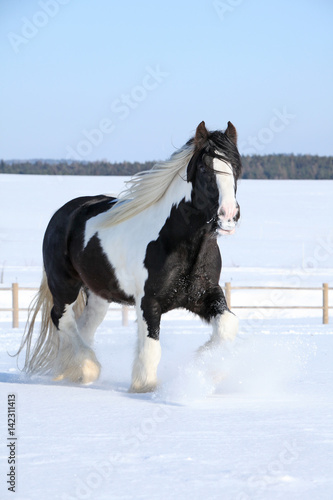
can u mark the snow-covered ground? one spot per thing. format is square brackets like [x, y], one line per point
[252, 421]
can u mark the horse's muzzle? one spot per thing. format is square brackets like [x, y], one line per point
[228, 225]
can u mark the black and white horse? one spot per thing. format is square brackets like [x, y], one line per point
[154, 247]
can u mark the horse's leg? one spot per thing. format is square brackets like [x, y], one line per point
[91, 317]
[214, 310]
[75, 361]
[225, 328]
[148, 352]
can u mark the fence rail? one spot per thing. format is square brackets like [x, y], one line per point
[324, 288]
[15, 309]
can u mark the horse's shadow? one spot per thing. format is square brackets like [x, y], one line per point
[22, 378]
[103, 385]
[12, 378]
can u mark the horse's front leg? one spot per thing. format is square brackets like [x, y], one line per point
[148, 353]
[225, 327]
[224, 322]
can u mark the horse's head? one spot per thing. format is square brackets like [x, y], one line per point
[214, 170]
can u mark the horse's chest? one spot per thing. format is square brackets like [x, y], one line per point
[174, 274]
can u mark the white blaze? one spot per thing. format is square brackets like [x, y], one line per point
[226, 186]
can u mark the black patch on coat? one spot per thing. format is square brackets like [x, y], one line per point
[184, 266]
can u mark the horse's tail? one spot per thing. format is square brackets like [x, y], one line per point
[40, 357]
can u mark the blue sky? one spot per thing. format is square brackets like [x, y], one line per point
[132, 80]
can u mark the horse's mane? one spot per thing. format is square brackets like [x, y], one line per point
[148, 187]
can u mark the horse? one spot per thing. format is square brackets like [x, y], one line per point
[154, 247]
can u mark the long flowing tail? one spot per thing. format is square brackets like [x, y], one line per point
[40, 357]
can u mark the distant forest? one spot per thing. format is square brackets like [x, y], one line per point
[254, 167]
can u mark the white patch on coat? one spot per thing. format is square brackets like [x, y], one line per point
[125, 244]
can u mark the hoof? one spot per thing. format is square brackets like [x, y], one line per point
[86, 373]
[140, 389]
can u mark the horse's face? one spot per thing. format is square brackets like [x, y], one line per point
[214, 170]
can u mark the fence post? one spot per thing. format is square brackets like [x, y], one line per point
[124, 314]
[325, 303]
[228, 294]
[15, 292]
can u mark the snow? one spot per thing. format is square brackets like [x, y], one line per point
[251, 421]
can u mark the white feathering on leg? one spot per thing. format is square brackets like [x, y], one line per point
[144, 378]
[75, 361]
[225, 328]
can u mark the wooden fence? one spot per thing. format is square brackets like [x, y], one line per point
[324, 289]
[15, 309]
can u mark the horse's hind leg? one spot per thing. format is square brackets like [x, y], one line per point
[91, 317]
[75, 361]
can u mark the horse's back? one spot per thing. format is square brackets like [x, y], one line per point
[72, 216]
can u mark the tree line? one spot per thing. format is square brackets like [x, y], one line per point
[279, 166]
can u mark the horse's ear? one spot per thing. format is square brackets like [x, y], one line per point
[231, 132]
[201, 135]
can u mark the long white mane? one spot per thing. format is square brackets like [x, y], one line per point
[147, 188]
